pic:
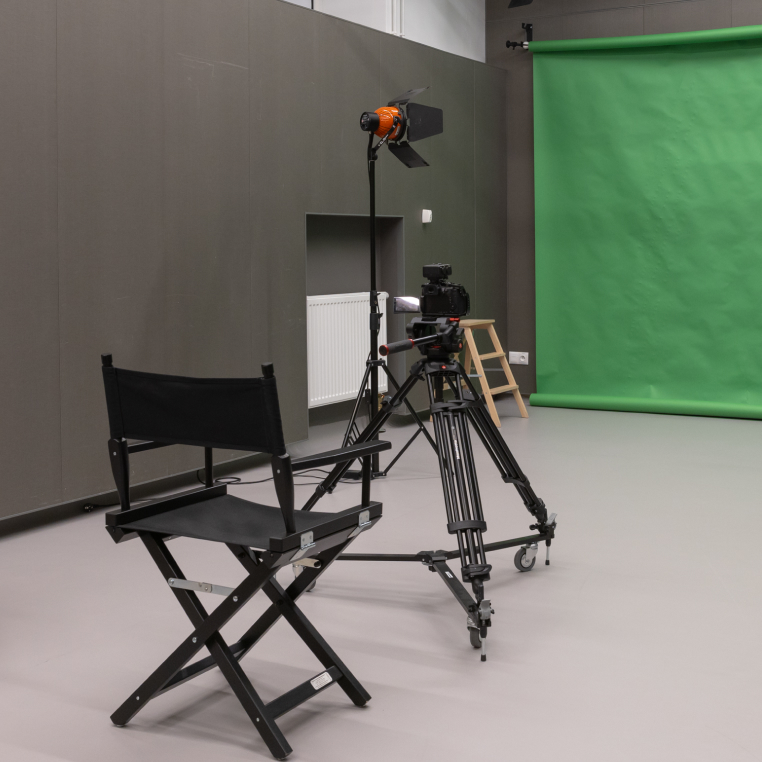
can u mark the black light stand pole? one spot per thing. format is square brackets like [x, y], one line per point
[375, 315]
[373, 363]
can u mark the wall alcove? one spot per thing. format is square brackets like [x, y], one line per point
[338, 262]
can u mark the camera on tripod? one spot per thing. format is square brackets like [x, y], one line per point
[439, 297]
[437, 333]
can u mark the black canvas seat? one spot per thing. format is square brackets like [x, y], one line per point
[147, 411]
[231, 519]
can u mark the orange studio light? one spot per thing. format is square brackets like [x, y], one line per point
[382, 121]
[400, 123]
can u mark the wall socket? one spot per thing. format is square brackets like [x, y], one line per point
[518, 358]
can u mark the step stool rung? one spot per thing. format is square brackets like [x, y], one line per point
[491, 355]
[506, 388]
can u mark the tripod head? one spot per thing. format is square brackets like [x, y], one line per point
[437, 333]
[437, 338]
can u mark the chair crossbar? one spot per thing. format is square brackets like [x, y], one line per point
[309, 688]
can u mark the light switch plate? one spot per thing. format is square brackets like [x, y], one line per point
[518, 358]
[427, 215]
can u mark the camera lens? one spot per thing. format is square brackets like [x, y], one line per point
[370, 121]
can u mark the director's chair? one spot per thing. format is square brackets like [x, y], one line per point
[148, 410]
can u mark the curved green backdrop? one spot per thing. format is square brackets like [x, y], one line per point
[648, 189]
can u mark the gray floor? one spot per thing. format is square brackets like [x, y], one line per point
[640, 642]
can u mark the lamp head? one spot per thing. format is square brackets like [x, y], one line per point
[380, 121]
[401, 119]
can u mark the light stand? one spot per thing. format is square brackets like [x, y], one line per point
[391, 123]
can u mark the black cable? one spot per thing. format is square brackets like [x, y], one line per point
[236, 480]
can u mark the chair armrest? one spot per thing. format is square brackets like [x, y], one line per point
[339, 456]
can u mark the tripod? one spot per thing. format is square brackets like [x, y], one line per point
[465, 517]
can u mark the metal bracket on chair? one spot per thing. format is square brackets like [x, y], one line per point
[307, 541]
[315, 563]
[199, 587]
[363, 521]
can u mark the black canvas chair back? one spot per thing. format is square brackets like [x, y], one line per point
[230, 413]
[149, 410]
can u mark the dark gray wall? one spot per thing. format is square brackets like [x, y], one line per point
[160, 158]
[559, 20]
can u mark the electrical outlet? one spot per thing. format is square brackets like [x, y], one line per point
[518, 358]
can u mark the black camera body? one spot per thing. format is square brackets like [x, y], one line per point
[442, 305]
[439, 297]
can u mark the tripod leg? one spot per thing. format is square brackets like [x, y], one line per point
[465, 517]
[507, 465]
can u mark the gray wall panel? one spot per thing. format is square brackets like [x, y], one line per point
[348, 72]
[520, 140]
[490, 199]
[746, 12]
[498, 9]
[618, 22]
[450, 237]
[30, 415]
[285, 171]
[406, 192]
[206, 194]
[406, 66]
[689, 16]
[113, 275]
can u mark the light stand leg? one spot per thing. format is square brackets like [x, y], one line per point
[420, 430]
[353, 418]
[370, 432]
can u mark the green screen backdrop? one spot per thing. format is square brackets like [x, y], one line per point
[648, 189]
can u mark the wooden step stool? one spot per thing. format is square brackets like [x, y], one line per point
[472, 353]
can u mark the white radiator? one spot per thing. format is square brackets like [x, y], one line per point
[338, 336]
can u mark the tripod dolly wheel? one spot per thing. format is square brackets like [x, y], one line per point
[473, 633]
[525, 558]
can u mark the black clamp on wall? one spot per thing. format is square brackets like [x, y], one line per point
[523, 45]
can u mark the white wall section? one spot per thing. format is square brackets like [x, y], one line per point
[455, 26]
